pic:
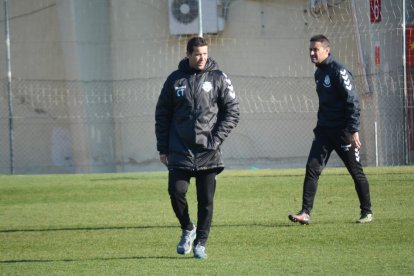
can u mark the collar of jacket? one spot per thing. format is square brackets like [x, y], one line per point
[326, 62]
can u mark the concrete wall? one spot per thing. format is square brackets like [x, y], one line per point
[87, 74]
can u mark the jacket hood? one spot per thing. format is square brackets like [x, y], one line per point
[184, 66]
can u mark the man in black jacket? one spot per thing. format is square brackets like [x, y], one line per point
[196, 110]
[337, 129]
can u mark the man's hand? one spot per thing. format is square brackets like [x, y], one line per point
[164, 159]
[355, 140]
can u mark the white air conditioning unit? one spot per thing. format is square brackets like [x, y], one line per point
[183, 16]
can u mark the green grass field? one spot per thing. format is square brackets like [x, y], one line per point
[122, 224]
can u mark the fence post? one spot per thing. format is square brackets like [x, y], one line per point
[9, 81]
[376, 143]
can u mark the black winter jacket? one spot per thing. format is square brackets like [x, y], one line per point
[195, 112]
[338, 99]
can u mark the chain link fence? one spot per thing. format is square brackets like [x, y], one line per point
[87, 75]
[105, 126]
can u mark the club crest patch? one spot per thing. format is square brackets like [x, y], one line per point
[207, 86]
[327, 81]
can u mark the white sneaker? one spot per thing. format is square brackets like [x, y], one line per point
[186, 242]
[200, 251]
[301, 217]
[365, 218]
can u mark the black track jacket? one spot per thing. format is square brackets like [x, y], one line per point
[195, 112]
[338, 99]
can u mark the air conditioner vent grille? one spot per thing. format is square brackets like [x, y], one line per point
[185, 11]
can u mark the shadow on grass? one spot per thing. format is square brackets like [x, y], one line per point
[85, 228]
[97, 259]
[185, 258]
[104, 228]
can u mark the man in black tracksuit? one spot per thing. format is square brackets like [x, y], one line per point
[196, 110]
[337, 129]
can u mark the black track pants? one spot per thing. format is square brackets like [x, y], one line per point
[327, 140]
[178, 182]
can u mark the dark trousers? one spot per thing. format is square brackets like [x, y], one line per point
[327, 140]
[178, 182]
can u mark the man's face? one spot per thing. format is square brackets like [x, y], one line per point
[198, 58]
[318, 52]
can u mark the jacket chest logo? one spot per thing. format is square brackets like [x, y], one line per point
[179, 90]
[327, 81]
[207, 86]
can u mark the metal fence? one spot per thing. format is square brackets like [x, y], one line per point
[110, 125]
[87, 75]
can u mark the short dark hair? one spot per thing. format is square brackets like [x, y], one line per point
[195, 42]
[320, 38]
